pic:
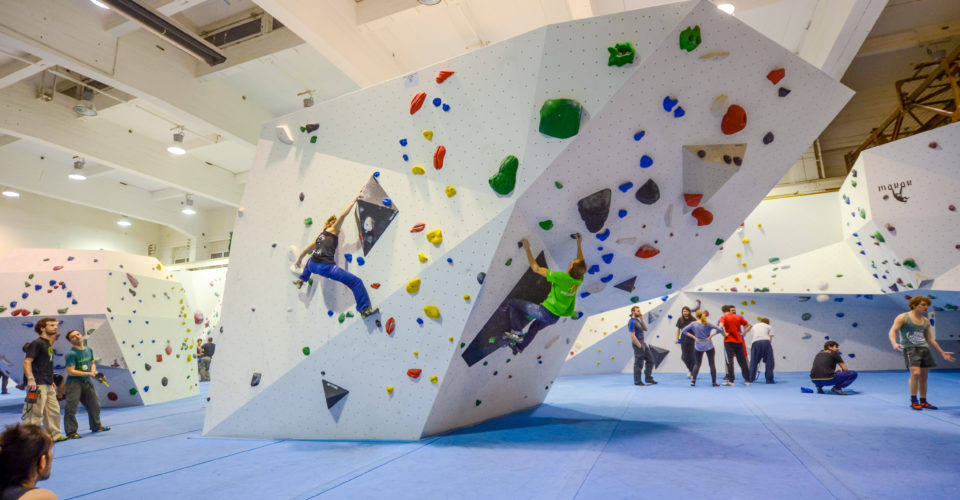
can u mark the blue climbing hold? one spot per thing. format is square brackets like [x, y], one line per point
[54, 282]
[622, 213]
[664, 298]
[677, 113]
[594, 269]
[855, 325]
[645, 161]
[436, 101]
[852, 355]
[329, 313]
[446, 107]
[403, 142]
[607, 258]
[360, 261]
[25, 295]
[37, 287]
[348, 257]
[606, 279]
[806, 390]
[639, 135]
[74, 302]
[69, 294]
[449, 260]
[669, 103]
[406, 158]
[838, 299]
[839, 315]
[420, 321]
[579, 315]
[604, 235]
[625, 187]
[376, 174]
[584, 295]
[387, 202]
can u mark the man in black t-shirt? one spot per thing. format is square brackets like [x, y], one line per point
[38, 370]
[207, 350]
[824, 371]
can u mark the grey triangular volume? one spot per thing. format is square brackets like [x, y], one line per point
[373, 214]
[373, 193]
[628, 285]
[334, 393]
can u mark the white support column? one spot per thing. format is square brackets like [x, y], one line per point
[837, 30]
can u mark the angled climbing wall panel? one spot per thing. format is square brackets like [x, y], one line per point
[540, 136]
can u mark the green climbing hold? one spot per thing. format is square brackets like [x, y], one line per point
[62, 311]
[462, 345]
[558, 185]
[620, 54]
[505, 179]
[26, 284]
[560, 118]
[853, 183]
[308, 221]
[806, 316]
[879, 237]
[493, 340]
[478, 402]
[36, 312]
[718, 242]
[2, 309]
[669, 286]
[634, 299]
[863, 214]
[546, 224]
[30, 277]
[484, 363]
[306, 351]
[839, 275]
[508, 360]
[690, 38]
[313, 140]
[133, 390]
[342, 317]
[349, 314]
[302, 128]
[912, 264]
[774, 259]
[509, 261]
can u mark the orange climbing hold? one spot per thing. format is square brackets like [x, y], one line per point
[375, 286]
[438, 157]
[703, 216]
[443, 75]
[734, 121]
[417, 102]
[692, 200]
[414, 372]
[776, 75]
[391, 324]
[418, 227]
[647, 251]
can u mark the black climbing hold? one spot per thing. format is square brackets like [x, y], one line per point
[255, 380]
[334, 393]
[701, 153]
[146, 366]
[481, 276]
[783, 91]
[594, 209]
[649, 193]
[628, 285]
[727, 159]
[301, 196]
[737, 161]
[310, 127]
[274, 245]
[767, 139]
[164, 381]
[519, 244]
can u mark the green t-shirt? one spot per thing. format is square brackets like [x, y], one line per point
[79, 359]
[911, 334]
[563, 293]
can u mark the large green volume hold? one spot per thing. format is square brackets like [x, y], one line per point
[560, 118]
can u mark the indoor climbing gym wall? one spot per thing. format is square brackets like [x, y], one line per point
[133, 313]
[898, 239]
[652, 133]
[204, 292]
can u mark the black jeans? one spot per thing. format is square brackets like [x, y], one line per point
[698, 360]
[81, 392]
[761, 350]
[736, 350]
[687, 352]
[520, 311]
[642, 355]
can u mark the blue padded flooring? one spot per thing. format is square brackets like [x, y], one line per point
[595, 437]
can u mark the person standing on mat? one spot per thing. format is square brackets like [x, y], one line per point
[701, 333]
[910, 333]
[560, 301]
[824, 371]
[38, 370]
[762, 349]
[686, 343]
[207, 351]
[733, 344]
[323, 262]
[642, 353]
[81, 370]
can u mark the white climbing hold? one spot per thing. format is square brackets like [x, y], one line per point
[284, 135]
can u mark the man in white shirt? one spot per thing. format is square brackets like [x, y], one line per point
[761, 349]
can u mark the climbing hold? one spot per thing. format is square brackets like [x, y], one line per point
[768, 138]
[604, 235]
[717, 55]
[428, 135]
[403, 142]
[431, 311]
[422, 257]
[342, 317]
[645, 161]
[692, 200]
[348, 257]
[690, 38]
[776, 75]
[284, 135]
[627, 285]
[416, 103]
[481, 276]
[438, 157]
[879, 236]
[505, 179]
[734, 120]
[626, 186]
[413, 286]
[783, 91]
[649, 193]
[933, 145]
[646, 251]
[622, 213]
[389, 389]
[445, 107]
[310, 128]
[433, 379]
[436, 102]
[639, 135]
[669, 103]
[391, 324]
[418, 170]
[912, 264]
[308, 221]
[313, 140]
[558, 185]
[678, 112]
[607, 258]
[718, 105]
[620, 54]
[418, 227]
[806, 316]
[745, 241]
[443, 75]
[450, 191]
[546, 225]
[704, 217]
[414, 372]
[435, 236]
[560, 118]
[594, 209]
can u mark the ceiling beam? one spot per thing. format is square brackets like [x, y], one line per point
[20, 70]
[57, 126]
[910, 38]
[836, 32]
[118, 25]
[240, 56]
[24, 171]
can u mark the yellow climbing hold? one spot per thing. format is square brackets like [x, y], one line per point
[744, 264]
[749, 276]
[759, 225]
[418, 170]
[389, 389]
[466, 297]
[433, 379]
[189, 357]
[422, 257]
[416, 353]
[431, 311]
[745, 241]
[450, 339]
[413, 286]
[736, 279]
[428, 135]
[450, 191]
[753, 302]
[738, 255]
[435, 237]
[744, 302]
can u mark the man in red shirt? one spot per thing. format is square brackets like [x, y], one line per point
[733, 343]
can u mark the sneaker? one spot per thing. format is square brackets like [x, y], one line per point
[916, 406]
[514, 348]
[102, 428]
[693, 383]
[59, 438]
[927, 406]
[838, 391]
[368, 312]
[73, 436]
[746, 383]
[820, 390]
[513, 336]
[727, 382]
[716, 384]
[651, 382]
[298, 283]
[641, 384]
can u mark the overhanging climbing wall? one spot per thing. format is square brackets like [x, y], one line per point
[133, 313]
[565, 129]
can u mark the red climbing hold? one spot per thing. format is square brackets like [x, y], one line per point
[112, 396]
[417, 101]
[133, 281]
[692, 200]
[647, 251]
[414, 372]
[169, 351]
[933, 145]
[375, 286]
[159, 358]
[438, 157]
[703, 216]
[734, 121]
[418, 227]
[57, 268]
[776, 75]
[391, 324]
[443, 75]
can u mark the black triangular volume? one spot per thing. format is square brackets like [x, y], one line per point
[334, 393]
[628, 285]
[373, 220]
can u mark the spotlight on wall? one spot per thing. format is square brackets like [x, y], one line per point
[188, 206]
[85, 107]
[176, 147]
[10, 193]
[77, 173]
[124, 221]
[308, 100]
[100, 4]
[727, 7]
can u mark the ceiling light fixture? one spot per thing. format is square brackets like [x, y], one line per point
[100, 4]
[77, 173]
[85, 107]
[428, 2]
[188, 206]
[727, 7]
[176, 147]
[124, 221]
[10, 193]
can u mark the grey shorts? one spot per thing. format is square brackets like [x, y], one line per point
[918, 356]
